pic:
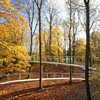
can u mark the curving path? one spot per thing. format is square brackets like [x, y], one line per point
[45, 62]
[65, 64]
[37, 79]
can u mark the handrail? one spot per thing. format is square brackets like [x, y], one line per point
[74, 65]
[37, 79]
[54, 75]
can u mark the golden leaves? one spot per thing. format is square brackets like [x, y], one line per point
[56, 42]
[11, 35]
[15, 24]
[15, 57]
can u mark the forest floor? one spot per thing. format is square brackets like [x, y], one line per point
[53, 90]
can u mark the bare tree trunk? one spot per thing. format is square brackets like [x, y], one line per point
[50, 40]
[87, 49]
[39, 6]
[45, 44]
[73, 41]
[58, 47]
[70, 44]
[31, 43]
[50, 35]
[41, 69]
[29, 72]
[64, 47]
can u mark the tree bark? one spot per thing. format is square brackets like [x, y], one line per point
[73, 41]
[31, 43]
[87, 58]
[58, 47]
[70, 44]
[41, 69]
[64, 47]
[50, 40]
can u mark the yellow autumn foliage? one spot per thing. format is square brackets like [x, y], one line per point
[13, 55]
[56, 42]
[12, 61]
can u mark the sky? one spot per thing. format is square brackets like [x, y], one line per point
[61, 5]
[64, 14]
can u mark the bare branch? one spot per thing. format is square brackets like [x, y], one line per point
[35, 28]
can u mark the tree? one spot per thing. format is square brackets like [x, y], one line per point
[30, 10]
[95, 47]
[56, 49]
[65, 26]
[80, 46]
[51, 12]
[75, 26]
[28, 7]
[70, 42]
[95, 44]
[13, 54]
[39, 6]
[74, 36]
[86, 2]
[93, 17]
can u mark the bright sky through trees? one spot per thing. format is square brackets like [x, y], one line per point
[60, 4]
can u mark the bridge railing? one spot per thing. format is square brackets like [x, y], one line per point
[21, 76]
[63, 59]
[80, 60]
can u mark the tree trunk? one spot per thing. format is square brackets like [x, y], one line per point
[70, 44]
[58, 47]
[31, 43]
[73, 41]
[41, 69]
[64, 47]
[87, 50]
[29, 72]
[50, 35]
[50, 40]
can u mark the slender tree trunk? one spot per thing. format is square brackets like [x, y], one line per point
[73, 48]
[41, 69]
[64, 47]
[58, 55]
[50, 40]
[73, 41]
[45, 43]
[31, 43]
[87, 49]
[70, 44]
[50, 35]
[29, 72]
[58, 47]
